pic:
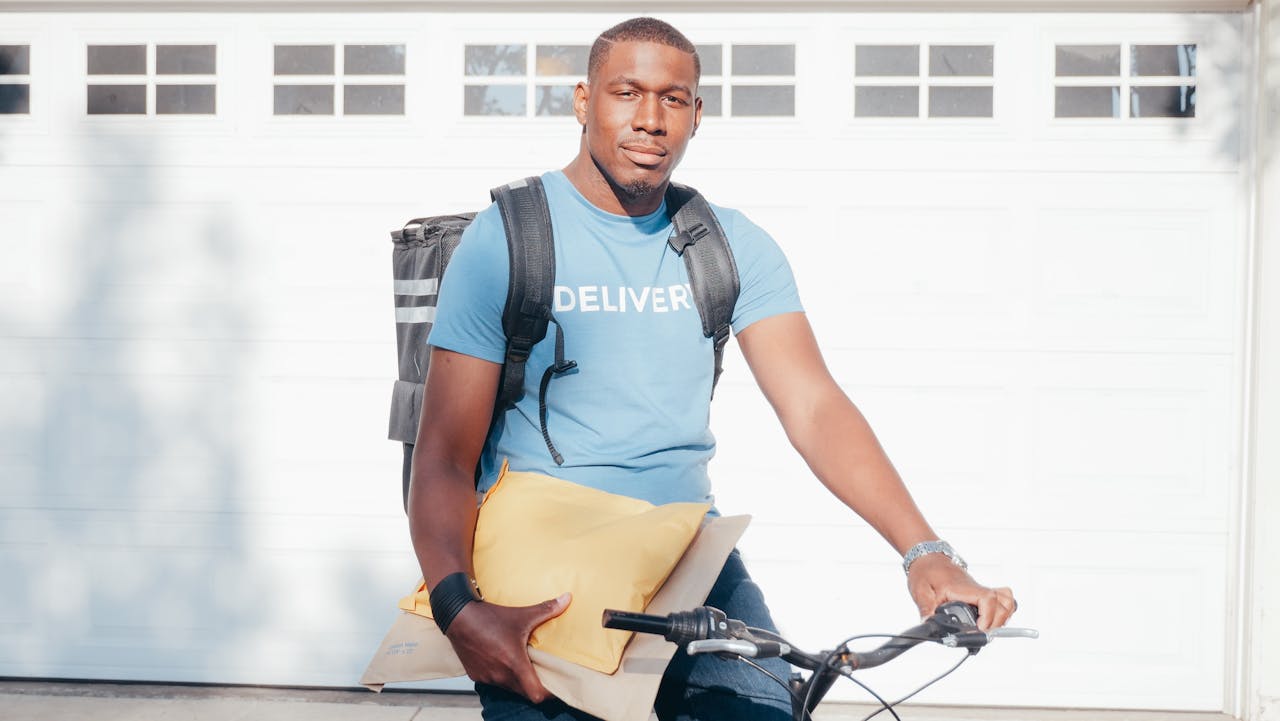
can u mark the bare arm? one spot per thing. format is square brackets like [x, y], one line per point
[836, 441]
[457, 407]
[456, 410]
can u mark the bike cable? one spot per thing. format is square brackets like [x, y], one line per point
[831, 657]
[889, 707]
[884, 705]
[774, 676]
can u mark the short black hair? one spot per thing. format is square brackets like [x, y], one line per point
[643, 29]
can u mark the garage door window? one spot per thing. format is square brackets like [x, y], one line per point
[517, 81]
[1125, 81]
[146, 79]
[308, 79]
[748, 80]
[15, 79]
[957, 81]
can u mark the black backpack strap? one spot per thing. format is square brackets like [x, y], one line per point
[713, 275]
[531, 248]
[527, 220]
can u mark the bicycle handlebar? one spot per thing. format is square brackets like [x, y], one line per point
[709, 630]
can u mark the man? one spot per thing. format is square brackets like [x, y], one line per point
[632, 418]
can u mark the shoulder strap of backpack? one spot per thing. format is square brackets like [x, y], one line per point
[713, 275]
[527, 220]
[531, 247]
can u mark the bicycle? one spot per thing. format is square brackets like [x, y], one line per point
[708, 630]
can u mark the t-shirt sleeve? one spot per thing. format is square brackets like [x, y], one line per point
[767, 286]
[473, 292]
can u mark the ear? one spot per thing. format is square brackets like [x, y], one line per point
[697, 115]
[581, 96]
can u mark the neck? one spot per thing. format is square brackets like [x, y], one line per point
[604, 194]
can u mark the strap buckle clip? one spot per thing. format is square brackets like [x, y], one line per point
[721, 336]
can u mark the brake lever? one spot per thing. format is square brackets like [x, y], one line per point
[738, 647]
[960, 621]
[1007, 632]
[957, 624]
[733, 646]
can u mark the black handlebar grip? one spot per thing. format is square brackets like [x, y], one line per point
[638, 622]
[680, 628]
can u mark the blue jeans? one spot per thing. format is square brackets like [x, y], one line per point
[694, 688]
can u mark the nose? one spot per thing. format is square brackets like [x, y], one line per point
[649, 117]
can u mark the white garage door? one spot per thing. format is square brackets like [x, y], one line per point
[1021, 239]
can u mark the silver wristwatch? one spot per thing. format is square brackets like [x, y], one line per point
[927, 547]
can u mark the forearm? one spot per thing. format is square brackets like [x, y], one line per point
[457, 407]
[442, 515]
[841, 449]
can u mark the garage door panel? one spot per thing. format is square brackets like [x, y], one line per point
[122, 438]
[1148, 443]
[927, 257]
[352, 252]
[167, 597]
[170, 595]
[1145, 623]
[1155, 261]
[23, 432]
[1096, 275]
[18, 561]
[158, 250]
[1138, 275]
[1154, 437]
[298, 421]
[1034, 430]
[22, 272]
[1127, 621]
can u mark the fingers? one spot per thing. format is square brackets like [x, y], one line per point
[938, 585]
[995, 606]
[926, 601]
[987, 605]
[1005, 605]
[530, 686]
[492, 643]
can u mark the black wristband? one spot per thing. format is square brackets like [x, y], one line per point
[450, 596]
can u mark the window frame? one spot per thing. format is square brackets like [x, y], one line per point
[338, 81]
[530, 81]
[727, 80]
[1125, 80]
[150, 79]
[27, 79]
[924, 81]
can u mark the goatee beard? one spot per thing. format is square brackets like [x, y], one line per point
[637, 189]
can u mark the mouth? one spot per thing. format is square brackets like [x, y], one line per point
[643, 154]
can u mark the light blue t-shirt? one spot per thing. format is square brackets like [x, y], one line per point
[633, 418]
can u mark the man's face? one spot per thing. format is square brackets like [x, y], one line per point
[639, 112]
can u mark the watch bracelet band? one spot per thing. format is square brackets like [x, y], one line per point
[926, 547]
[450, 596]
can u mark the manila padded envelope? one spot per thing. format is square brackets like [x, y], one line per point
[538, 536]
[415, 650]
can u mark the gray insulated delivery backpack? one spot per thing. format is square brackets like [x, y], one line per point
[424, 246]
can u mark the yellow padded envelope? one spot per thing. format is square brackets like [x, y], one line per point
[538, 536]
